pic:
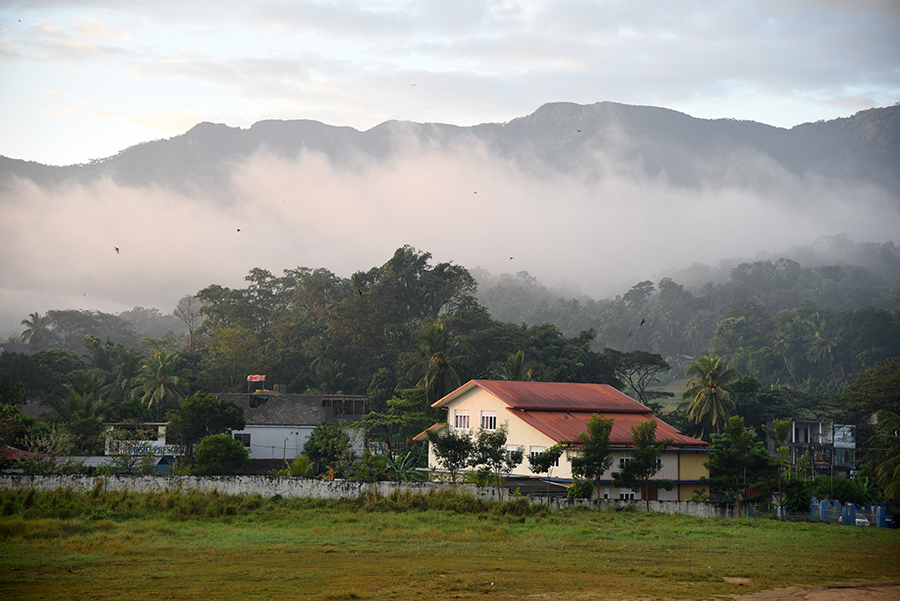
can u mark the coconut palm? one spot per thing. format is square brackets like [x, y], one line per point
[329, 375]
[708, 398]
[160, 382]
[443, 364]
[35, 329]
[515, 368]
[78, 406]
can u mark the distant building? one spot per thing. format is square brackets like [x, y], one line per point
[830, 447]
[278, 425]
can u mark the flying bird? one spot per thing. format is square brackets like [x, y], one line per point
[510, 258]
[117, 249]
[239, 229]
[643, 320]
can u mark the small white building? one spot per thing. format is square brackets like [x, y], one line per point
[278, 425]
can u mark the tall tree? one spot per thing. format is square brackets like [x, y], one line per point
[595, 455]
[737, 463]
[516, 368]
[443, 362]
[887, 466]
[492, 455]
[161, 383]
[36, 334]
[644, 463]
[640, 369]
[201, 415]
[188, 311]
[708, 397]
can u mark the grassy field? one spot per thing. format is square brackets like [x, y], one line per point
[66, 545]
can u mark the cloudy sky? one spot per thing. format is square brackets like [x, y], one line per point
[82, 80]
[85, 79]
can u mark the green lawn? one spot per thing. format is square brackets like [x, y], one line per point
[67, 545]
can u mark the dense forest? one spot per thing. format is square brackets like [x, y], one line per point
[801, 340]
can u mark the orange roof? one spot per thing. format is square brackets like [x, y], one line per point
[561, 410]
[567, 426]
[553, 396]
[423, 435]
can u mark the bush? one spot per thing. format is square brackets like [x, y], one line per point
[581, 489]
[219, 454]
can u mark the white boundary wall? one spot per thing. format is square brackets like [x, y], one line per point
[269, 486]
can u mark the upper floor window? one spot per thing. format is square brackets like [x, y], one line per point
[488, 420]
[461, 419]
[537, 450]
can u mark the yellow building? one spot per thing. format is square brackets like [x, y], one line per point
[539, 415]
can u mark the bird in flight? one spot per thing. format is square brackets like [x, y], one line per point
[117, 249]
[239, 229]
[510, 258]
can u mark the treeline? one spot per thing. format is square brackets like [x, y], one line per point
[798, 336]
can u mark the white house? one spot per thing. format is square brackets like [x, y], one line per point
[542, 414]
[278, 425]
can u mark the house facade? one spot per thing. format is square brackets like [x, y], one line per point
[539, 415]
[821, 447]
[278, 425]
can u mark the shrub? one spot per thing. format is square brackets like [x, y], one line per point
[219, 454]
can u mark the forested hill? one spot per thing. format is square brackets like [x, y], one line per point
[602, 139]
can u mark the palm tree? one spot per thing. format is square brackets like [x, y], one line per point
[443, 363]
[35, 329]
[79, 406]
[126, 367]
[708, 398]
[160, 382]
[822, 343]
[515, 368]
[329, 376]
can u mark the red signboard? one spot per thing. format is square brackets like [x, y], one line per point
[256, 378]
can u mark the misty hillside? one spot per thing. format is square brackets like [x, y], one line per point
[600, 139]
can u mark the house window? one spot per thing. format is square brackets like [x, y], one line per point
[488, 420]
[461, 419]
[537, 450]
[244, 438]
[624, 459]
[626, 496]
[512, 448]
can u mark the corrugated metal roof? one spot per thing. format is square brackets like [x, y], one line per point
[288, 409]
[564, 426]
[557, 396]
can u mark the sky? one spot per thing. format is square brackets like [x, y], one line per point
[84, 80]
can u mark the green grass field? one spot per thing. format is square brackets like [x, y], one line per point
[66, 545]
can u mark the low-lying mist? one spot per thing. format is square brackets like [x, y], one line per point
[599, 230]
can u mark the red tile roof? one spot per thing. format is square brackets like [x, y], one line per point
[561, 410]
[554, 396]
[563, 426]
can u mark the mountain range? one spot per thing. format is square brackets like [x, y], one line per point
[595, 140]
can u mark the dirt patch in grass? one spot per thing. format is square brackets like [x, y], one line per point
[871, 591]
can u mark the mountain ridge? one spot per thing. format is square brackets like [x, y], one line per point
[560, 136]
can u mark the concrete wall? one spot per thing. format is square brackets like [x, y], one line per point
[268, 486]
